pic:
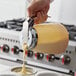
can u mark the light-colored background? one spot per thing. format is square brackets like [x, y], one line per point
[10, 9]
[60, 10]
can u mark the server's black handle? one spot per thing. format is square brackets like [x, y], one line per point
[31, 21]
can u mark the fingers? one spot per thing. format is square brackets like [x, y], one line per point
[46, 9]
[41, 17]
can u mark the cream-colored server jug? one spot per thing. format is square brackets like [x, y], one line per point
[50, 38]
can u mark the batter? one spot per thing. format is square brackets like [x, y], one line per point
[24, 47]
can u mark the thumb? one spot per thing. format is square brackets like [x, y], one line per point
[29, 11]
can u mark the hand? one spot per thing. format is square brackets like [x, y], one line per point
[39, 8]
